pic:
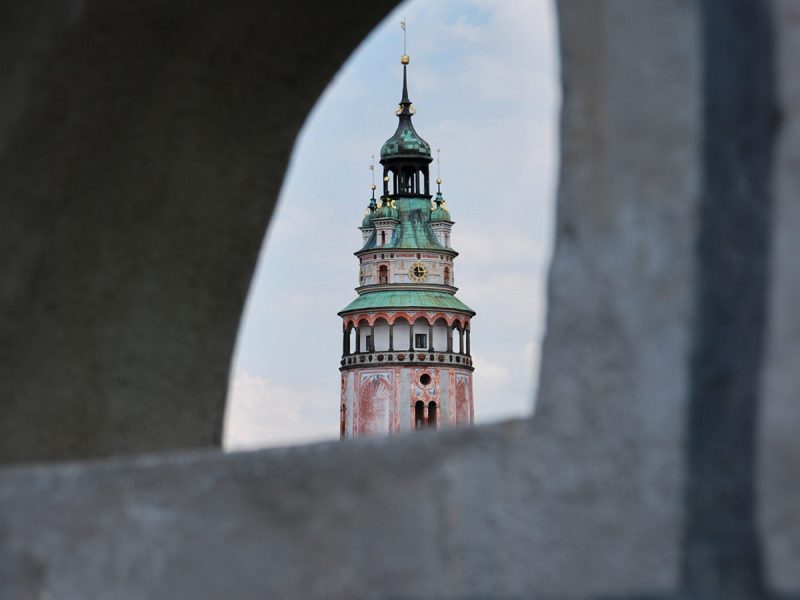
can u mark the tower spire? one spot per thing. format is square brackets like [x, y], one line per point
[405, 103]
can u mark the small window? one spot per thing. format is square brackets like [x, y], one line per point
[369, 343]
[432, 415]
[425, 379]
[419, 415]
[383, 238]
[420, 340]
[383, 274]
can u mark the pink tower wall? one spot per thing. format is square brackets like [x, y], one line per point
[381, 400]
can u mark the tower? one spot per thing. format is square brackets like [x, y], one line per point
[406, 361]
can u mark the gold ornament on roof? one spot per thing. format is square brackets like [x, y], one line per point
[405, 59]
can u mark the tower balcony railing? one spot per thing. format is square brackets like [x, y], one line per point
[416, 357]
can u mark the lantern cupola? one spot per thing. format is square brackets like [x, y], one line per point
[405, 156]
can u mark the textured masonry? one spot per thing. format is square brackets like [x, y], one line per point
[598, 496]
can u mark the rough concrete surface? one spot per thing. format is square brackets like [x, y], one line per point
[142, 146]
[779, 457]
[586, 500]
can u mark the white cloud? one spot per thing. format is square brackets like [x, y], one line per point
[283, 413]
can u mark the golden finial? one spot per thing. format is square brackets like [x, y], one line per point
[405, 59]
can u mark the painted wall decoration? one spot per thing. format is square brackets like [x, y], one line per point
[374, 395]
[463, 399]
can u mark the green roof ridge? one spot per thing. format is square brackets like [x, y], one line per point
[405, 298]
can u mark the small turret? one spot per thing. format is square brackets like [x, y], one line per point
[367, 226]
[441, 223]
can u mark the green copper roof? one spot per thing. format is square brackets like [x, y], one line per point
[413, 231]
[405, 141]
[440, 213]
[403, 298]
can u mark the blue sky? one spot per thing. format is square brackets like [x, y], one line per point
[483, 78]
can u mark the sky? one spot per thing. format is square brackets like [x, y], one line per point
[484, 81]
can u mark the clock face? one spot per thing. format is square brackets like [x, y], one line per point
[418, 272]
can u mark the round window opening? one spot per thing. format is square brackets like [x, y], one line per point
[425, 379]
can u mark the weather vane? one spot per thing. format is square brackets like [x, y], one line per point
[372, 168]
[438, 170]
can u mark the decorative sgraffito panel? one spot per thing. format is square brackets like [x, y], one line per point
[375, 395]
[462, 399]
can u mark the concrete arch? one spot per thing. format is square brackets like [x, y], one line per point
[79, 302]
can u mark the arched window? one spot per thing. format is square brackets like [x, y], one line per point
[383, 274]
[383, 238]
[455, 340]
[419, 414]
[381, 336]
[446, 276]
[440, 334]
[432, 415]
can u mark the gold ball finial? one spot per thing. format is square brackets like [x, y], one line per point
[372, 187]
[405, 59]
[439, 180]
[386, 178]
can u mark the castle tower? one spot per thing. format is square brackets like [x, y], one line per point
[406, 360]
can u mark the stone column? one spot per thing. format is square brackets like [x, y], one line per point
[391, 337]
